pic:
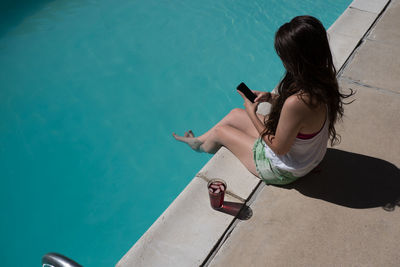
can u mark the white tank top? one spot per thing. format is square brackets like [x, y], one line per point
[304, 155]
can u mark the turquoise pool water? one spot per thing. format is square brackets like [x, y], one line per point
[90, 93]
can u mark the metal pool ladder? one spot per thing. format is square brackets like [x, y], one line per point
[58, 260]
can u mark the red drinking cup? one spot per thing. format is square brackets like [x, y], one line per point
[216, 190]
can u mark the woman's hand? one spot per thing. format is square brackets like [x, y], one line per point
[262, 96]
[249, 106]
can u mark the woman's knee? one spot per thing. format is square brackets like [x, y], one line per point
[220, 132]
[237, 112]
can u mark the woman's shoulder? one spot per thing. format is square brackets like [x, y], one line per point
[302, 101]
[302, 107]
[297, 103]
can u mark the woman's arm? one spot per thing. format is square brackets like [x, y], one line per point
[264, 97]
[292, 115]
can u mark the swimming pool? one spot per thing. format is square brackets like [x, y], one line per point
[90, 93]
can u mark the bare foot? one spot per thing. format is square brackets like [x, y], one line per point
[189, 139]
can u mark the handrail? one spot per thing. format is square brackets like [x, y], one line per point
[58, 260]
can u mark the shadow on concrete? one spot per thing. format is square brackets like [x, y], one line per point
[239, 210]
[352, 180]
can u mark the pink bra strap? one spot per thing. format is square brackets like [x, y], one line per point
[306, 136]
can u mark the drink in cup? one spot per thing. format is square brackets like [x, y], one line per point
[216, 191]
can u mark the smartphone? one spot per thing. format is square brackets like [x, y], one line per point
[246, 91]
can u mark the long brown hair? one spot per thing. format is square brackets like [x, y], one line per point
[302, 44]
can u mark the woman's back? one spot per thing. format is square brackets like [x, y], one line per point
[305, 153]
[314, 117]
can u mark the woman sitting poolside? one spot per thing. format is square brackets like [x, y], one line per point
[292, 139]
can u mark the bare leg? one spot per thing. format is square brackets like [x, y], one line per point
[238, 119]
[240, 125]
[235, 131]
[238, 142]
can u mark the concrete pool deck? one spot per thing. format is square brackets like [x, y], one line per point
[331, 217]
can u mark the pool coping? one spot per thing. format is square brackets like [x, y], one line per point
[189, 232]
